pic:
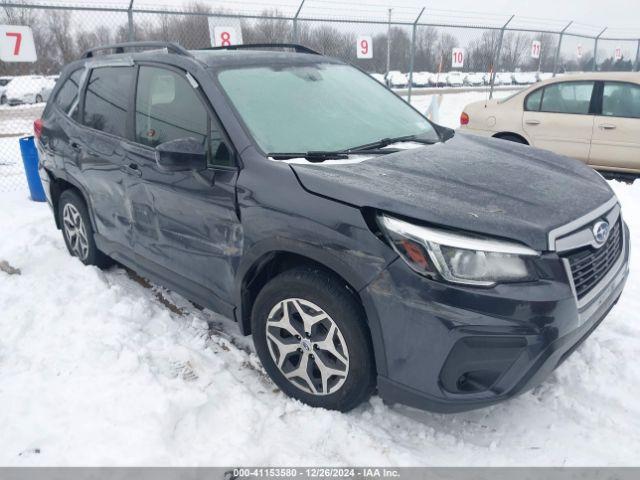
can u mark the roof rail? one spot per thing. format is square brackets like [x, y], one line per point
[120, 48]
[257, 46]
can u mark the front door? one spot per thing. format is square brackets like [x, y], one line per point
[184, 221]
[616, 133]
[558, 118]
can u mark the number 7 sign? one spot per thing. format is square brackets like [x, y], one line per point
[16, 44]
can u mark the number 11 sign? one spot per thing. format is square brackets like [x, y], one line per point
[16, 44]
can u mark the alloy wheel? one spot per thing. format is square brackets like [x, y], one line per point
[75, 231]
[307, 346]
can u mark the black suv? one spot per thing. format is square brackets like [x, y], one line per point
[362, 246]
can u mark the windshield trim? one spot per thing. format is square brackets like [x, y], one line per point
[217, 70]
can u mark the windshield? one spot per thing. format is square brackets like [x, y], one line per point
[319, 107]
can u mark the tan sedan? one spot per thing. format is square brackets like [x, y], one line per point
[594, 117]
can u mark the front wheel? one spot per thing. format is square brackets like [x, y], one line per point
[311, 336]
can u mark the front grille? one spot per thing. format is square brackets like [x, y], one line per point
[589, 265]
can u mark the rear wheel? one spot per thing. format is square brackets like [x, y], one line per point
[77, 230]
[311, 336]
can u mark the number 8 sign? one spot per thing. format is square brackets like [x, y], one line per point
[16, 44]
[364, 47]
[225, 37]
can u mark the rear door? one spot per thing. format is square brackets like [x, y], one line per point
[559, 117]
[184, 222]
[100, 152]
[616, 133]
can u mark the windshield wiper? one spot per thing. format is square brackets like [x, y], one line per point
[312, 156]
[374, 148]
[385, 142]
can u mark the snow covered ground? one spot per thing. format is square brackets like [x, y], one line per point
[100, 368]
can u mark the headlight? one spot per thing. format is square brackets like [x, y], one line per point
[459, 258]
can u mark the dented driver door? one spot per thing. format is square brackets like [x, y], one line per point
[185, 222]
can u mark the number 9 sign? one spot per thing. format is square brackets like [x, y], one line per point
[16, 44]
[364, 47]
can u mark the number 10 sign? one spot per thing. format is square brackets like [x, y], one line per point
[16, 44]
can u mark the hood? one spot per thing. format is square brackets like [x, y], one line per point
[471, 183]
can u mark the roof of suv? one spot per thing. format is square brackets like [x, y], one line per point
[230, 58]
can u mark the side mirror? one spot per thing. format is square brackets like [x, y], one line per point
[183, 154]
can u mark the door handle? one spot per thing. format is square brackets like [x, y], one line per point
[134, 169]
[532, 122]
[607, 126]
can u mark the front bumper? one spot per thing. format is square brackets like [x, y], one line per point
[451, 348]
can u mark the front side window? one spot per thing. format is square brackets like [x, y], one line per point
[621, 100]
[168, 108]
[107, 99]
[567, 97]
[68, 93]
[318, 107]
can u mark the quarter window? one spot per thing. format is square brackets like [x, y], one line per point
[68, 93]
[621, 100]
[567, 97]
[107, 99]
[168, 108]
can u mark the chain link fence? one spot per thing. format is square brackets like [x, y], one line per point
[410, 49]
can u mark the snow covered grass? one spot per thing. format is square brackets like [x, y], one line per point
[96, 368]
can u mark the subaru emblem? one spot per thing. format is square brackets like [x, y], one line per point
[601, 232]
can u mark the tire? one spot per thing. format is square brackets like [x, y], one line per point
[346, 360]
[77, 230]
[512, 138]
[38, 98]
[3, 100]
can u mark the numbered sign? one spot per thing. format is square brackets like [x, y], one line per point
[16, 44]
[579, 51]
[364, 46]
[536, 47]
[457, 58]
[618, 53]
[225, 37]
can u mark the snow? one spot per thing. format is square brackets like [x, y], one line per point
[97, 368]
[100, 368]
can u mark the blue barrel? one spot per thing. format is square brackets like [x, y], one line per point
[30, 160]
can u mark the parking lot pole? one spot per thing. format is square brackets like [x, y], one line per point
[496, 57]
[295, 23]
[388, 44]
[413, 52]
[130, 17]
[557, 57]
[595, 50]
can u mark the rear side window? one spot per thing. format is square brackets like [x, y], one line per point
[68, 93]
[532, 103]
[621, 100]
[107, 99]
[567, 97]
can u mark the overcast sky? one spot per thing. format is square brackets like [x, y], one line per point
[621, 16]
